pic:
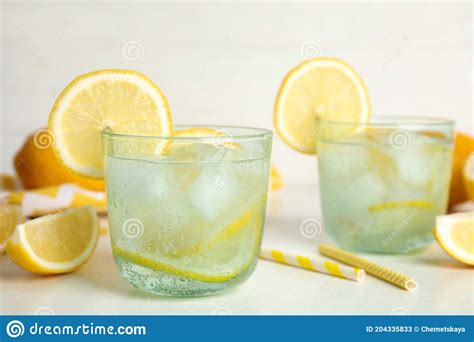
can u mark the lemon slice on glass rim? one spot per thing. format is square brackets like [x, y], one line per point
[124, 101]
[323, 88]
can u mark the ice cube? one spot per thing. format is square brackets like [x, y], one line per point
[342, 161]
[214, 191]
[413, 160]
[366, 190]
[196, 152]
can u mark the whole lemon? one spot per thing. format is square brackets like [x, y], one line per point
[463, 146]
[37, 165]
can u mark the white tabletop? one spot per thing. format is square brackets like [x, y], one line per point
[445, 285]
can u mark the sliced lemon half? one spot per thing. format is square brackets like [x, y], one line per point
[57, 243]
[124, 101]
[325, 88]
[455, 234]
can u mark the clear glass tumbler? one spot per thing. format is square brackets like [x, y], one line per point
[186, 213]
[383, 183]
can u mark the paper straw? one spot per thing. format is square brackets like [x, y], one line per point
[371, 267]
[313, 264]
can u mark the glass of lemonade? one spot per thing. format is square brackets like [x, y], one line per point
[383, 183]
[186, 213]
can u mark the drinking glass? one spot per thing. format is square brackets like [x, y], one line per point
[186, 213]
[383, 183]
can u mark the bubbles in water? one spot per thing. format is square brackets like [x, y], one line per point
[181, 204]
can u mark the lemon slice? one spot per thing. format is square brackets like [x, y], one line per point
[125, 101]
[220, 259]
[223, 234]
[400, 204]
[455, 234]
[468, 176]
[10, 217]
[324, 88]
[177, 271]
[57, 243]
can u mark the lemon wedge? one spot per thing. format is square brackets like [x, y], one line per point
[324, 88]
[57, 243]
[455, 234]
[124, 101]
[10, 217]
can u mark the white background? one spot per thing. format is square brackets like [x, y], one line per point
[222, 63]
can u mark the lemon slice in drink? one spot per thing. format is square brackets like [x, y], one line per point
[400, 204]
[57, 243]
[123, 100]
[455, 234]
[324, 88]
[230, 230]
[222, 258]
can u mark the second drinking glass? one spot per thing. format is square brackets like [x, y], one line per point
[382, 184]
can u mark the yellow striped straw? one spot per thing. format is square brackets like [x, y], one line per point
[313, 264]
[371, 267]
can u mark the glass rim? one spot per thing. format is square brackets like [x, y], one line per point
[253, 133]
[395, 121]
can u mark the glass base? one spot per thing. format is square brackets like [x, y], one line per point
[373, 246]
[165, 284]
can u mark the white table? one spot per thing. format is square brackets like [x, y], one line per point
[445, 286]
